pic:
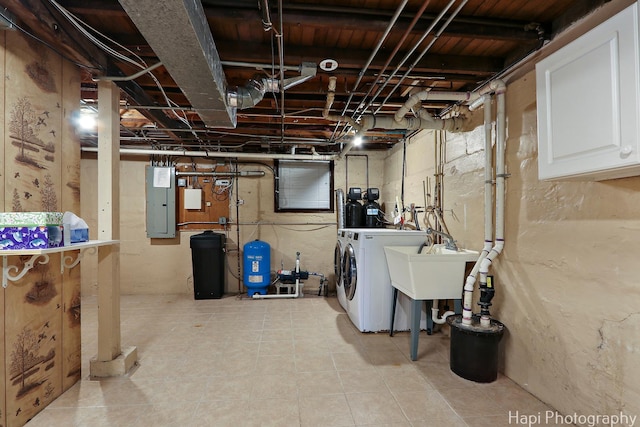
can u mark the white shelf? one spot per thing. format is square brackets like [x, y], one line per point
[65, 261]
[72, 247]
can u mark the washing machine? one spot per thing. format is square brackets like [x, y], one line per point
[337, 267]
[366, 285]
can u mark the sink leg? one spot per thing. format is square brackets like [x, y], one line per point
[457, 306]
[393, 310]
[416, 311]
[429, 317]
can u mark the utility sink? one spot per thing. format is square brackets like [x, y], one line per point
[438, 274]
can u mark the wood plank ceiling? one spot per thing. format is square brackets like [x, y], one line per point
[443, 45]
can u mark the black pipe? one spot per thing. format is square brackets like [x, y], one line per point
[487, 292]
[238, 231]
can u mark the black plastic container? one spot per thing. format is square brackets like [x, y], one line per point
[474, 350]
[208, 259]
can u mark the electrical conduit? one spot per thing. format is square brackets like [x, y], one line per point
[408, 55]
[364, 69]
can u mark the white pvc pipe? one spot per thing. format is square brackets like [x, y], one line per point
[434, 314]
[469, 286]
[430, 95]
[217, 154]
[331, 93]
[454, 124]
[500, 187]
[294, 295]
[239, 173]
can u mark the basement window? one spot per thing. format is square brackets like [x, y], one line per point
[303, 186]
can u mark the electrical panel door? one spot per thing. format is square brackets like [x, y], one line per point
[161, 201]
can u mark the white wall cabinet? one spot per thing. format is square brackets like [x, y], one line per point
[588, 96]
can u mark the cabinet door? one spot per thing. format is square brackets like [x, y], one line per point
[587, 99]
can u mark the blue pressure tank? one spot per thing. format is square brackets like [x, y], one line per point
[256, 267]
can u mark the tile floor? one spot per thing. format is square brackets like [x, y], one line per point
[291, 362]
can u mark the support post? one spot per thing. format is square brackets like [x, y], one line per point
[111, 360]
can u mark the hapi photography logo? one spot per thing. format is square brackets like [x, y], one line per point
[557, 419]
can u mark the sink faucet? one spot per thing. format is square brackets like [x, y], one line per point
[449, 244]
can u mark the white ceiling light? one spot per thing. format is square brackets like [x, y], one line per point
[86, 120]
[357, 140]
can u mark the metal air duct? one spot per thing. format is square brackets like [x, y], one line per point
[251, 94]
[178, 32]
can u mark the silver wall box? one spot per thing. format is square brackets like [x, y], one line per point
[161, 202]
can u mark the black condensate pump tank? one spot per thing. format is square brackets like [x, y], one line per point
[371, 209]
[353, 208]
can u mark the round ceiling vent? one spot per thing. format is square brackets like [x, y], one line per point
[328, 65]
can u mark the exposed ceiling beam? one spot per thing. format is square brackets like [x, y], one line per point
[311, 15]
[349, 62]
[578, 9]
[44, 21]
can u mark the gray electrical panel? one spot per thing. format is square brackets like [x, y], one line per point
[160, 186]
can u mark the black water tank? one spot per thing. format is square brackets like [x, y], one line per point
[372, 215]
[208, 259]
[354, 214]
[474, 351]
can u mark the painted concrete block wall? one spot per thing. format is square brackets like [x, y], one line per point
[163, 266]
[566, 283]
